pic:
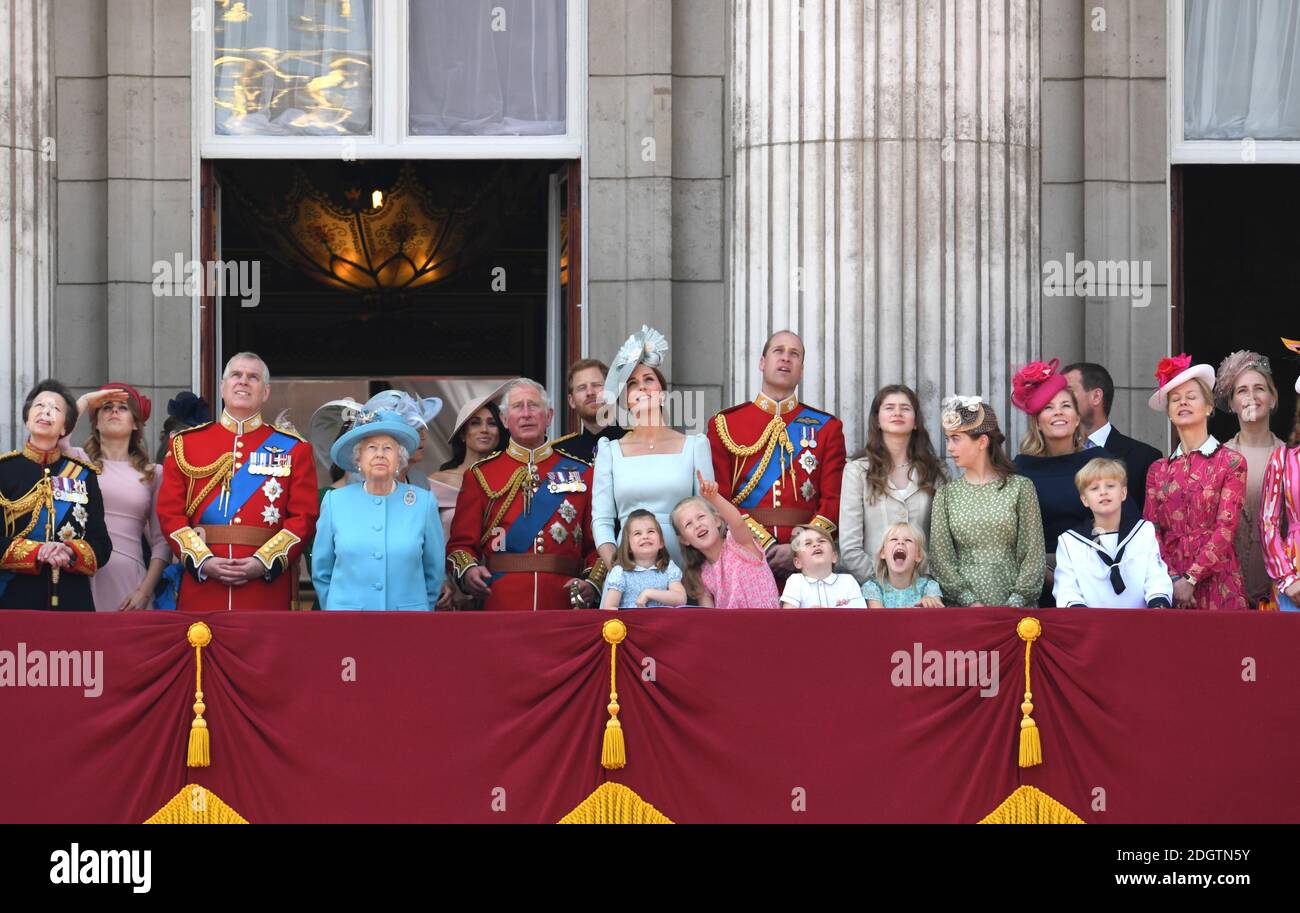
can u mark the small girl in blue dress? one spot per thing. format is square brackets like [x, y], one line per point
[643, 574]
[899, 583]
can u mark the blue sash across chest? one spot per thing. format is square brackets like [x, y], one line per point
[805, 418]
[525, 527]
[70, 470]
[243, 483]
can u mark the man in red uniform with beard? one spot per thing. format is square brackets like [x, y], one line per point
[238, 500]
[521, 534]
[778, 460]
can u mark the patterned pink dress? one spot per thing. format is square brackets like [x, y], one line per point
[1281, 493]
[1195, 502]
[740, 579]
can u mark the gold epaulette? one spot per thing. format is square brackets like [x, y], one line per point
[289, 430]
[11, 453]
[192, 428]
[565, 453]
[565, 437]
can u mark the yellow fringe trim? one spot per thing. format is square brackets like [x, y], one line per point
[1028, 805]
[614, 803]
[196, 805]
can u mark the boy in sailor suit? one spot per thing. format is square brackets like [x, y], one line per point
[1113, 562]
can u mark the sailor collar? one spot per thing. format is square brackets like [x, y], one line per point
[772, 407]
[1210, 445]
[529, 457]
[41, 457]
[1127, 529]
[232, 424]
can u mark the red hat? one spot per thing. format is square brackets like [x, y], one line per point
[142, 402]
[1035, 384]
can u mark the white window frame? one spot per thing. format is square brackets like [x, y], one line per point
[390, 119]
[1183, 151]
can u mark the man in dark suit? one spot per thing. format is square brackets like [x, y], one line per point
[1093, 388]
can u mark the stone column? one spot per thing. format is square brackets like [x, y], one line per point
[884, 198]
[26, 153]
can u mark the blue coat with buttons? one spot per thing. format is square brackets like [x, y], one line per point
[378, 553]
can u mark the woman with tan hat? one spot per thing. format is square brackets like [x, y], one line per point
[1195, 497]
[1244, 386]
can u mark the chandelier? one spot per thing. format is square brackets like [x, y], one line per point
[373, 237]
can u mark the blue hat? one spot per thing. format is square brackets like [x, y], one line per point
[369, 424]
[189, 408]
[417, 413]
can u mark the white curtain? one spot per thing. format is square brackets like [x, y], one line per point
[292, 67]
[1241, 69]
[487, 67]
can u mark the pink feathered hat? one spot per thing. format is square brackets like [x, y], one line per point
[1035, 384]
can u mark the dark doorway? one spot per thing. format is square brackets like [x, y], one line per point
[483, 314]
[1240, 271]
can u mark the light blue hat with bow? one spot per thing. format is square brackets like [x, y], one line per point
[368, 424]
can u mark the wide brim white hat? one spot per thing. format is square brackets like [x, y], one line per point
[467, 411]
[1159, 400]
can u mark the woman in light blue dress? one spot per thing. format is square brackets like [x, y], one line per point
[379, 543]
[652, 467]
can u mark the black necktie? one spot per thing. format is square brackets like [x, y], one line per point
[1116, 579]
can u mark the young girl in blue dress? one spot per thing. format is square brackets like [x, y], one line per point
[643, 575]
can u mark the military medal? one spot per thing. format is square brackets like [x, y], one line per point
[272, 489]
[79, 514]
[270, 515]
[807, 461]
[558, 533]
[67, 533]
[409, 498]
[808, 491]
[568, 511]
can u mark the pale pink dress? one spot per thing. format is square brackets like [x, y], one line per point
[129, 510]
[740, 579]
[446, 496]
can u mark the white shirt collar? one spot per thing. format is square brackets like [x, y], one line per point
[1101, 435]
[1206, 449]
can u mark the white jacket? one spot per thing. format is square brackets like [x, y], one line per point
[1083, 569]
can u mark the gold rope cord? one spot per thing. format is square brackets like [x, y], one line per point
[510, 489]
[773, 436]
[40, 495]
[219, 470]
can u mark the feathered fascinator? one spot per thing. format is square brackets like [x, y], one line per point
[645, 347]
[969, 414]
[338, 416]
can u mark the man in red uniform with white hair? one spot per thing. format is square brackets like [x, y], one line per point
[521, 534]
[779, 460]
[238, 500]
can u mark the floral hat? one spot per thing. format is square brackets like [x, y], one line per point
[969, 414]
[645, 347]
[1294, 346]
[368, 424]
[1035, 384]
[1233, 367]
[1174, 371]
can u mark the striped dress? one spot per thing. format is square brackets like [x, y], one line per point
[1281, 493]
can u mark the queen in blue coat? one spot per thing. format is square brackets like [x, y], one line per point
[379, 542]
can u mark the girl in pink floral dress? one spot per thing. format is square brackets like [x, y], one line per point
[1195, 497]
[725, 568]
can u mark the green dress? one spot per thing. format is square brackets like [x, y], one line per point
[986, 543]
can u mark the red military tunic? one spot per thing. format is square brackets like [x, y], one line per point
[780, 463]
[235, 489]
[526, 516]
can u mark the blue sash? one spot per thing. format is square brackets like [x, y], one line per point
[816, 421]
[523, 531]
[244, 483]
[37, 534]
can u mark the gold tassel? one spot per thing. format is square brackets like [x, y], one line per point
[613, 754]
[200, 754]
[1031, 748]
